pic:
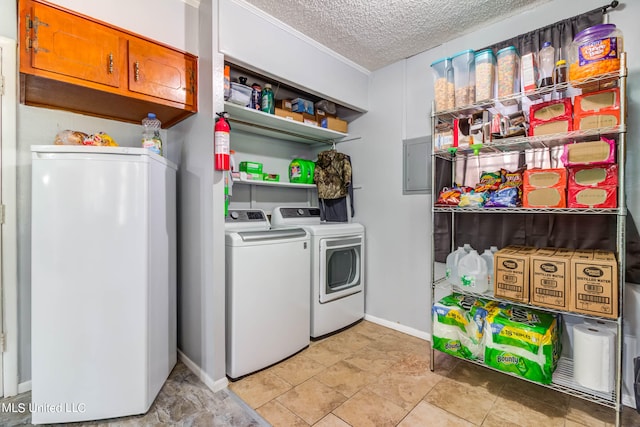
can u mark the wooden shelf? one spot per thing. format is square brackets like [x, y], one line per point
[258, 122]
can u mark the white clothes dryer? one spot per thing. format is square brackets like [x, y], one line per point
[337, 268]
[268, 287]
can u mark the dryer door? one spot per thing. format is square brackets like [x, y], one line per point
[340, 267]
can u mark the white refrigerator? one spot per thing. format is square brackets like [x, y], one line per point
[103, 281]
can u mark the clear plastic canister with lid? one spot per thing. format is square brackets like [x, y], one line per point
[485, 75]
[508, 71]
[595, 51]
[464, 77]
[443, 85]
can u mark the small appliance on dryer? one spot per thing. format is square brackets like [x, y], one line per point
[268, 287]
[337, 268]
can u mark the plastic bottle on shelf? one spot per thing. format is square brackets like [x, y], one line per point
[467, 247]
[151, 133]
[452, 265]
[268, 103]
[487, 255]
[560, 76]
[547, 62]
[472, 270]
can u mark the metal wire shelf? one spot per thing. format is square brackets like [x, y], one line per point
[581, 211]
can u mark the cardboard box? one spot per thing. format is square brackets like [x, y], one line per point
[544, 178]
[290, 115]
[600, 152]
[309, 119]
[550, 281]
[551, 197]
[593, 176]
[595, 285]
[596, 120]
[550, 127]
[602, 197]
[598, 102]
[334, 124]
[284, 104]
[301, 105]
[511, 275]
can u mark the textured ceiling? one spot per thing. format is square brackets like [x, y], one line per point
[375, 33]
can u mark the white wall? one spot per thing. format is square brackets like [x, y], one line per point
[400, 97]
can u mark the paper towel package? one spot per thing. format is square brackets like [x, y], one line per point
[594, 356]
[458, 325]
[523, 341]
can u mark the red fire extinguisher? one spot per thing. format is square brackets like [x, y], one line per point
[221, 142]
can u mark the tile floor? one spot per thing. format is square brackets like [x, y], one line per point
[370, 375]
[184, 400]
[367, 375]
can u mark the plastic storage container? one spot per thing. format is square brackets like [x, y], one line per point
[240, 94]
[443, 85]
[485, 62]
[151, 133]
[595, 51]
[508, 72]
[464, 77]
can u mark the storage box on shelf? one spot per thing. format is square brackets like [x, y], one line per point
[556, 280]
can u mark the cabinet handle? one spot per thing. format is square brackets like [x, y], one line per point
[110, 62]
[136, 71]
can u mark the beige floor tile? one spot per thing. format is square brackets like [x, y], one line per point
[259, 388]
[372, 360]
[370, 329]
[472, 403]
[311, 400]
[537, 392]
[331, 421]
[345, 378]
[425, 414]
[522, 410]
[349, 341]
[279, 416]
[495, 421]
[326, 353]
[475, 375]
[590, 414]
[445, 363]
[297, 369]
[405, 390]
[412, 364]
[367, 409]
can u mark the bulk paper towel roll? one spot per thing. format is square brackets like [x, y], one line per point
[594, 357]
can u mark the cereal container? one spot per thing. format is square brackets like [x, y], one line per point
[485, 75]
[464, 77]
[508, 71]
[595, 51]
[443, 85]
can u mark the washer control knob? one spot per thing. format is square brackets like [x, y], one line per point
[234, 215]
[300, 211]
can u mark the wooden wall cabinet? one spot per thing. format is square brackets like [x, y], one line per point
[72, 62]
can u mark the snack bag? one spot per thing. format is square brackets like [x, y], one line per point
[70, 137]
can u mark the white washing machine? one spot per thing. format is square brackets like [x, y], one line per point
[337, 268]
[268, 292]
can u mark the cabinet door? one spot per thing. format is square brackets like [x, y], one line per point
[161, 72]
[69, 45]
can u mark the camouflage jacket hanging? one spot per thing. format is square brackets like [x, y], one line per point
[332, 174]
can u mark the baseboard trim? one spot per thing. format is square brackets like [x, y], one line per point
[206, 379]
[24, 387]
[398, 327]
